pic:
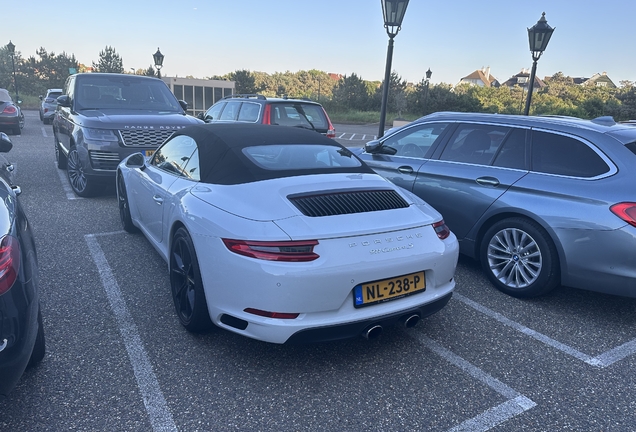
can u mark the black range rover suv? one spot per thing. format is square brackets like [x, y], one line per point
[102, 118]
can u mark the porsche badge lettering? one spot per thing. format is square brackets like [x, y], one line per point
[387, 244]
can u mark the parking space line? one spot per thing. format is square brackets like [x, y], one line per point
[154, 401]
[515, 404]
[70, 195]
[44, 132]
[352, 135]
[603, 360]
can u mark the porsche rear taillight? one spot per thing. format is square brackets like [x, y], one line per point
[290, 251]
[9, 109]
[625, 211]
[441, 229]
[267, 115]
[9, 262]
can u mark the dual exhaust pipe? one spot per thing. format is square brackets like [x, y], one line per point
[375, 330]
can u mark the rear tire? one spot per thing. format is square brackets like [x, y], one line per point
[124, 207]
[186, 284]
[519, 258]
[39, 348]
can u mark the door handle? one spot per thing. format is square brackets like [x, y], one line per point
[488, 181]
[405, 169]
[158, 199]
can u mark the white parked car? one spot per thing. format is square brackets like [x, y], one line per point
[283, 235]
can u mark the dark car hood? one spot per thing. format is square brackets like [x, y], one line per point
[133, 119]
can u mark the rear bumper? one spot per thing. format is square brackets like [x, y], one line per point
[350, 330]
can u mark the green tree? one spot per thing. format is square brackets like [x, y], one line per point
[245, 82]
[351, 93]
[6, 70]
[150, 71]
[109, 61]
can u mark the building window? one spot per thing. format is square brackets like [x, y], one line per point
[178, 91]
[208, 97]
[198, 98]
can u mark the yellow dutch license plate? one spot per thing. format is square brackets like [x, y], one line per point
[388, 289]
[149, 153]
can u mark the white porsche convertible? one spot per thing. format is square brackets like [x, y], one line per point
[283, 235]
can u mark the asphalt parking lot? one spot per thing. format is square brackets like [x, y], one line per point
[118, 359]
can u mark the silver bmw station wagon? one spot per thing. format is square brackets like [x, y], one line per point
[539, 201]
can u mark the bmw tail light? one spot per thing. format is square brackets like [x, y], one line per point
[279, 315]
[441, 229]
[290, 251]
[9, 262]
[9, 109]
[625, 211]
[267, 114]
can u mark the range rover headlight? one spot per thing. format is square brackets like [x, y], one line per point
[99, 135]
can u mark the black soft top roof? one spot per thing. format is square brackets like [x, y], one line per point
[223, 162]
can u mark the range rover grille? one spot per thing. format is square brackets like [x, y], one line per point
[144, 137]
[348, 202]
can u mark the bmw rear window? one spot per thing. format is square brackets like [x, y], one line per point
[300, 157]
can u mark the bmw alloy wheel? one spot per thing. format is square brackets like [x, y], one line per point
[520, 258]
[514, 258]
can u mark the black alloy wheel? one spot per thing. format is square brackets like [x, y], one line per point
[519, 258]
[81, 184]
[187, 285]
[124, 208]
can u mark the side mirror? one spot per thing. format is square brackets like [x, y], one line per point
[41, 97]
[5, 143]
[64, 101]
[184, 105]
[201, 116]
[136, 160]
[376, 147]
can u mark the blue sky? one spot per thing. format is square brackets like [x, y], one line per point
[213, 37]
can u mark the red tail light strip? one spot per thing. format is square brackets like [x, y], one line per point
[289, 251]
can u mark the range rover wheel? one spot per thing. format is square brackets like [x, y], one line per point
[60, 157]
[519, 258]
[187, 285]
[81, 184]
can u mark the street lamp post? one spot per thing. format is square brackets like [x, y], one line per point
[11, 49]
[158, 57]
[428, 79]
[538, 35]
[393, 12]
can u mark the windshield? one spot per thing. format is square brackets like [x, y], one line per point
[124, 92]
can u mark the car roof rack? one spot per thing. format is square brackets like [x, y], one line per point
[246, 96]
